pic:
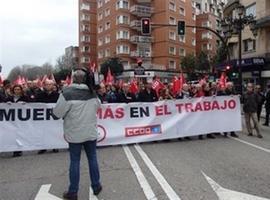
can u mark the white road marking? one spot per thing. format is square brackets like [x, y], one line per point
[43, 193]
[91, 195]
[161, 180]
[139, 174]
[226, 194]
[250, 144]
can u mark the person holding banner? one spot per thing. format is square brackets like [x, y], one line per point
[17, 97]
[78, 105]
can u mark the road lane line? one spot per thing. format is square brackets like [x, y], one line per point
[160, 179]
[43, 193]
[226, 194]
[139, 174]
[250, 144]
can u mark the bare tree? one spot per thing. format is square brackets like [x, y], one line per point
[14, 73]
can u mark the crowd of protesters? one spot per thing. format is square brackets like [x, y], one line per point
[253, 99]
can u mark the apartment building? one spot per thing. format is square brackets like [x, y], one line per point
[255, 49]
[111, 28]
[208, 14]
[87, 32]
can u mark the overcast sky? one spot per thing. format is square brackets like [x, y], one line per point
[36, 31]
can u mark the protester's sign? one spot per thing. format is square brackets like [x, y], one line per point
[32, 126]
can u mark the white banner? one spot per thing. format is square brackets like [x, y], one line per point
[32, 126]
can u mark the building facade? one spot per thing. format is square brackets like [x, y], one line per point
[255, 49]
[208, 14]
[87, 32]
[112, 28]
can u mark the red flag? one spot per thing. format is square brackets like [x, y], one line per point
[222, 80]
[202, 81]
[68, 80]
[52, 78]
[18, 81]
[133, 87]
[45, 77]
[109, 77]
[182, 80]
[1, 80]
[157, 85]
[175, 85]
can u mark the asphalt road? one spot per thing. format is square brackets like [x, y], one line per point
[164, 170]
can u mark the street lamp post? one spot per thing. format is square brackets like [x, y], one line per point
[235, 25]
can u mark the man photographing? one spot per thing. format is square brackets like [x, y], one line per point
[78, 105]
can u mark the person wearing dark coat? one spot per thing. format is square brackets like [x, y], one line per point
[250, 105]
[125, 96]
[17, 97]
[261, 100]
[148, 94]
[48, 95]
[267, 106]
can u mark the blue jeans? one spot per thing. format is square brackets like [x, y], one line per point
[74, 169]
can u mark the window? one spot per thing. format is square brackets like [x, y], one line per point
[172, 35]
[85, 28]
[172, 64]
[172, 21]
[172, 50]
[85, 59]
[100, 16]
[207, 35]
[182, 11]
[207, 24]
[107, 53]
[85, 17]
[99, 3]
[85, 38]
[100, 54]
[122, 34]
[193, 30]
[85, 49]
[122, 19]
[100, 29]
[172, 6]
[251, 10]
[107, 25]
[106, 1]
[249, 45]
[194, 16]
[182, 52]
[107, 12]
[85, 6]
[182, 38]
[122, 4]
[100, 42]
[107, 39]
[122, 49]
[193, 42]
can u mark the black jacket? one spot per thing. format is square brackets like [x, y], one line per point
[250, 102]
[147, 96]
[45, 97]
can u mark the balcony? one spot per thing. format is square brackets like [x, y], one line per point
[263, 19]
[141, 11]
[141, 54]
[135, 24]
[143, 1]
[141, 39]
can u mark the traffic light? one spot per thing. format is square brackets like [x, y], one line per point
[228, 67]
[146, 26]
[181, 27]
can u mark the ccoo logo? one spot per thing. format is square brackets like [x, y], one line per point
[101, 133]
